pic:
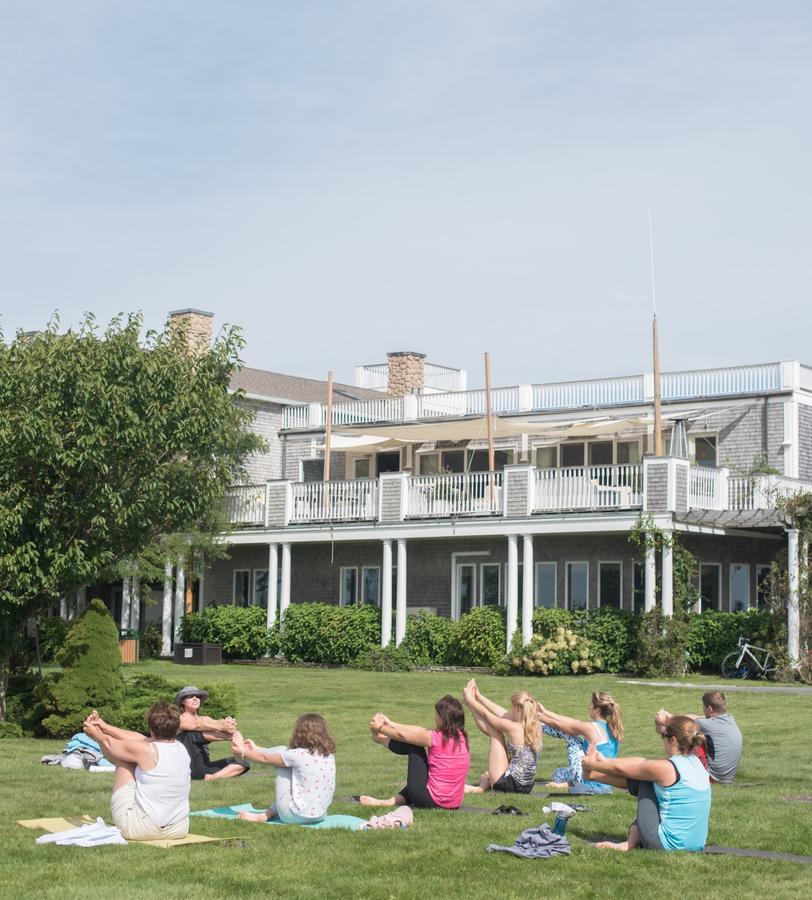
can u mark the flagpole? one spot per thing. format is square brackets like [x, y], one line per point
[489, 408]
[328, 433]
[658, 415]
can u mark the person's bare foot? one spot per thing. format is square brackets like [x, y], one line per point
[254, 817]
[622, 846]
[474, 789]
[366, 800]
[558, 785]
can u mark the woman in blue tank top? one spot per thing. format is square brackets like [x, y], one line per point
[673, 794]
[604, 728]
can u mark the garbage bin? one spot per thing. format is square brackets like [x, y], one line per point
[199, 654]
[128, 641]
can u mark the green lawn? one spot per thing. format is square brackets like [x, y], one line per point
[443, 855]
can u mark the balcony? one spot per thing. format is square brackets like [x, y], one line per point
[589, 487]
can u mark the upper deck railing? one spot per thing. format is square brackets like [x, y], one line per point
[568, 395]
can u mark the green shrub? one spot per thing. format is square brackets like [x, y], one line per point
[661, 643]
[613, 635]
[324, 633]
[10, 730]
[429, 639]
[712, 635]
[144, 690]
[383, 659]
[242, 631]
[480, 638]
[563, 653]
[193, 629]
[91, 678]
[51, 634]
[151, 643]
[547, 621]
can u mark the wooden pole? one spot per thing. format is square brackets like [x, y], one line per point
[489, 408]
[658, 415]
[328, 433]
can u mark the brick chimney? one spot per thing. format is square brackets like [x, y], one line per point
[197, 323]
[406, 372]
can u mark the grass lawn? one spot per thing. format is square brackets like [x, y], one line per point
[444, 854]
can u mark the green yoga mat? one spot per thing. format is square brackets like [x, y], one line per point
[351, 823]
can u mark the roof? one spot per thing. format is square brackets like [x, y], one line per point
[292, 389]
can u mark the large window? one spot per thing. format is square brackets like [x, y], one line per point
[739, 587]
[628, 452]
[546, 588]
[348, 585]
[360, 467]
[490, 575]
[546, 457]
[610, 580]
[577, 585]
[639, 588]
[710, 586]
[371, 585]
[705, 451]
[572, 455]
[601, 453]
[261, 588]
[241, 595]
[763, 586]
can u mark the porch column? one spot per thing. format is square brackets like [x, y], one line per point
[528, 600]
[166, 612]
[81, 599]
[135, 603]
[126, 601]
[400, 600]
[667, 596]
[386, 594]
[512, 587]
[63, 608]
[284, 599]
[273, 570]
[650, 579]
[180, 598]
[793, 609]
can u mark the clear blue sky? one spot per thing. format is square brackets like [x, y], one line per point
[450, 176]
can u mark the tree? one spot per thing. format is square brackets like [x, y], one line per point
[107, 442]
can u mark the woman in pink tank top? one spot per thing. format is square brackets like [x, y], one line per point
[438, 758]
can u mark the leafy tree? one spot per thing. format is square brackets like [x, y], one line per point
[107, 442]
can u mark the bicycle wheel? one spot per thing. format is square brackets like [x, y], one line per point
[731, 667]
[769, 669]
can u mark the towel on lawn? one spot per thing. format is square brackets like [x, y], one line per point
[536, 843]
[85, 835]
[353, 823]
[61, 824]
[402, 817]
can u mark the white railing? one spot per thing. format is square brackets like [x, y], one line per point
[718, 382]
[374, 377]
[295, 417]
[470, 494]
[444, 378]
[806, 378]
[589, 487]
[706, 488]
[599, 392]
[315, 501]
[245, 504]
[762, 491]
[387, 409]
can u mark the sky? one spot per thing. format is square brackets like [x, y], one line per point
[350, 177]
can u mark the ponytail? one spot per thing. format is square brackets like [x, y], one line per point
[610, 712]
[685, 732]
[529, 719]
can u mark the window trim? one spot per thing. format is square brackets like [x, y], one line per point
[234, 574]
[537, 592]
[575, 562]
[354, 599]
[611, 562]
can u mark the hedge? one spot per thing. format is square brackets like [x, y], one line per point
[241, 630]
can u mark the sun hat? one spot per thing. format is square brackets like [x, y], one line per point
[190, 691]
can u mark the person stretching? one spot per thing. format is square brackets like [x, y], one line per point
[197, 732]
[438, 759]
[152, 780]
[604, 728]
[514, 741]
[305, 772]
[673, 794]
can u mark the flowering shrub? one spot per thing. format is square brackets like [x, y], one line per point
[563, 653]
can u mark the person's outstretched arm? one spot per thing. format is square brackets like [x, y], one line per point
[409, 734]
[574, 727]
[215, 729]
[245, 748]
[121, 734]
[132, 750]
[663, 717]
[635, 767]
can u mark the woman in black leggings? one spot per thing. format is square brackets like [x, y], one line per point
[437, 759]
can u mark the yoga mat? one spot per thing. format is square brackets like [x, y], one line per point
[54, 825]
[233, 812]
[473, 810]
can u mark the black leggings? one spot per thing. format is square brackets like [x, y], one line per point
[416, 793]
[198, 749]
[648, 814]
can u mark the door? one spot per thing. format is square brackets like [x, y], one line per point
[466, 588]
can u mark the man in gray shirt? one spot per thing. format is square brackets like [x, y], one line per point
[724, 740]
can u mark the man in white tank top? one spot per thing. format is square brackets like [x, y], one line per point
[151, 788]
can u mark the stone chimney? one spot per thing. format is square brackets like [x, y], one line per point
[197, 323]
[406, 372]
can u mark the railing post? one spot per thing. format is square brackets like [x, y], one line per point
[315, 415]
[279, 504]
[791, 375]
[793, 607]
[525, 397]
[518, 488]
[648, 387]
[410, 407]
[723, 488]
[393, 488]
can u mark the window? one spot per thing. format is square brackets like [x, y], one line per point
[639, 588]
[546, 457]
[371, 585]
[261, 588]
[387, 462]
[705, 451]
[312, 470]
[360, 467]
[429, 463]
[610, 579]
[546, 588]
[628, 452]
[577, 585]
[242, 587]
[763, 586]
[478, 460]
[739, 587]
[454, 460]
[600, 453]
[572, 455]
[348, 585]
[490, 579]
[710, 586]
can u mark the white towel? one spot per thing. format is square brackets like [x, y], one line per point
[85, 836]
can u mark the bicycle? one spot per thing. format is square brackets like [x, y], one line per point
[748, 661]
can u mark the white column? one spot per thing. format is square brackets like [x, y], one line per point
[400, 600]
[273, 568]
[135, 603]
[528, 583]
[512, 587]
[793, 609]
[650, 579]
[126, 600]
[63, 608]
[81, 600]
[386, 594]
[166, 612]
[180, 598]
[667, 596]
[284, 599]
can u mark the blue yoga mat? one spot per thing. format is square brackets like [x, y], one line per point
[233, 812]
